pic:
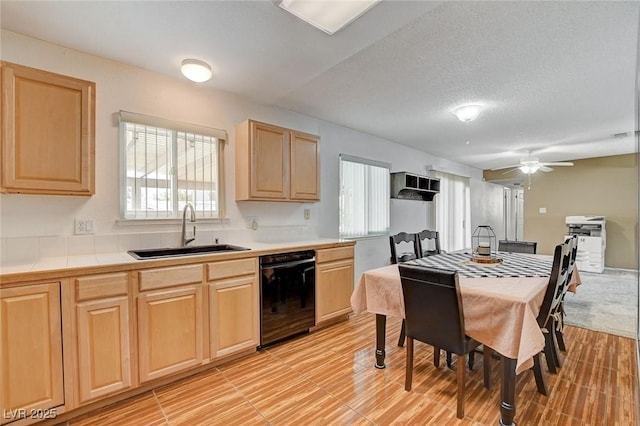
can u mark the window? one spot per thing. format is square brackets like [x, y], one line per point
[167, 165]
[364, 197]
[453, 212]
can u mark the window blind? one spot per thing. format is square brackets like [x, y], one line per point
[364, 197]
[453, 212]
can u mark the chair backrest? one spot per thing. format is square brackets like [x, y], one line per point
[423, 245]
[518, 246]
[556, 286]
[573, 241]
[433, 307]
[402, 247]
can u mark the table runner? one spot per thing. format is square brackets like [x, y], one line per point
[512, 265]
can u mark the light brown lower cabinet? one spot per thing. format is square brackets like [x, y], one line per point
[31, 363]
[233, 306]
[124, 329]
[169, 331]
[334, 282]
[103, 330]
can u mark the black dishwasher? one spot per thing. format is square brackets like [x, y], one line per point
[287, 295]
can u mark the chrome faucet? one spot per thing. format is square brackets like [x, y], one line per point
[183, 238]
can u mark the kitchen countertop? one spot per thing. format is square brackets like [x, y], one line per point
[65, 266]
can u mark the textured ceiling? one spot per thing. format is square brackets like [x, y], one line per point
[556, 78]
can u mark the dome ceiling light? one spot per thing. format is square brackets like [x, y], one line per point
[466, 113]
[196, 70]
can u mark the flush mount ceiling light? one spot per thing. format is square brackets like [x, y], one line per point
[467, 113]
[196, 70]
[328, 16]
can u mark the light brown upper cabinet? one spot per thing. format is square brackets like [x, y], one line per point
[48, 132]
[276, 164]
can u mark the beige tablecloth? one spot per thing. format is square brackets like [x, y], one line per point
[498, 312]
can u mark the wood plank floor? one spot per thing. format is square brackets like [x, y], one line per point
[328, 378]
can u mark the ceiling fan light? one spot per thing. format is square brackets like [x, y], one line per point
[196, 70]
[466, 113]
[529, 169]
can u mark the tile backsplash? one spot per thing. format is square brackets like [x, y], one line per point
[24, 250]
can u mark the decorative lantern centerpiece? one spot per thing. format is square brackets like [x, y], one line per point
[483, 242]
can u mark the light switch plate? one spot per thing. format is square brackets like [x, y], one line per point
[542, 210]
[307, 214]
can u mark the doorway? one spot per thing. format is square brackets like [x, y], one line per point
[513, 213]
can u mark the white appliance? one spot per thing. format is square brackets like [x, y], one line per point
[592, 241]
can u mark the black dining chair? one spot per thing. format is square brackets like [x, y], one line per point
[550, 305]
[518, 246]
[403, 247]
[559, 326]
[434, 315]
[427, 243]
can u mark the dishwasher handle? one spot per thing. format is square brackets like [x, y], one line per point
[288, 264]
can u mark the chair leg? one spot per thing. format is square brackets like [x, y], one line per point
[472, 357]
[537, 372]
[408, 375]
[460, 367]
[549, 353]
[403, 329]
[486, 360]
[560, 339]
[436, 357]
[449, 362]
[556, 350]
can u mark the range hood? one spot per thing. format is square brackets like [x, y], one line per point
[410, 186]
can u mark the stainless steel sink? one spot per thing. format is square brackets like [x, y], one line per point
[183, 251]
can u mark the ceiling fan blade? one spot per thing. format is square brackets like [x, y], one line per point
[561, 163]
[508, 171]
[545, 169]
[507, 167]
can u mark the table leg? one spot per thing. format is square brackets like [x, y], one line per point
[381, 329]
[508, 403]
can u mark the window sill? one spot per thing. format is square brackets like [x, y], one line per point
[366, 237]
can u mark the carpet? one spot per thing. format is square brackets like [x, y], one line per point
[606, 302]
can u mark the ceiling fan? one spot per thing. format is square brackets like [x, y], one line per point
[529, 165]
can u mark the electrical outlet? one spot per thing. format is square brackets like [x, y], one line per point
[307, 214]
[252, 222]
[84, 227]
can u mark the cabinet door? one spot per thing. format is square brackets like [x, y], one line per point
[269, 161]
[31, 355]
[169, 331]
[48, 132]
[305, 160]
[234, 315]
[103, 347]
[334, 285]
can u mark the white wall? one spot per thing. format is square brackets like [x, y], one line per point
[34, 225]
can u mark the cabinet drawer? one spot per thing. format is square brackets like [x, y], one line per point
[329, 255]
[231, 268]
[169, 277]
[101, 286]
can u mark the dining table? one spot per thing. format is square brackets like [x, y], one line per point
[501, 301]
